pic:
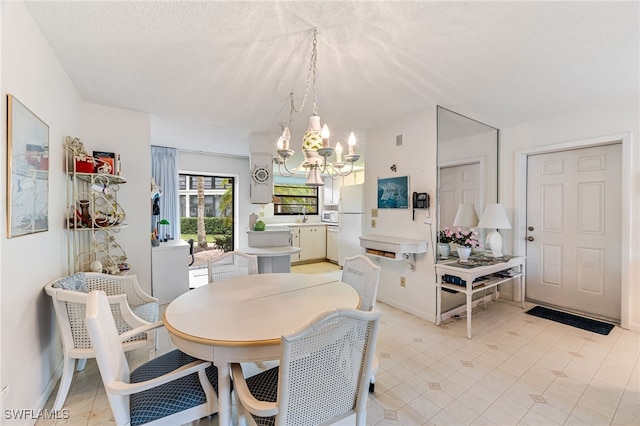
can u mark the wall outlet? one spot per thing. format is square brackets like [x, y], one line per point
[403, 282]
[373, 223]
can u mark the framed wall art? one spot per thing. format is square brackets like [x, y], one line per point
[27, 171]
[393, 193]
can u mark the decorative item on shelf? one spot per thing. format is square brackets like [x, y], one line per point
[166, 234]
[464, 253]
[105, 162]
[444, 250]
[253, 218]
[466, 239]
[494, 218]
[85, 217]
[315, 142]
[96, 266]
[444, 238]
[83, 162]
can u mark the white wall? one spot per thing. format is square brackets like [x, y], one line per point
[127, 133]
[30, 346]
[31, 349]
[416, 158]
[572, 131]
[221, 165]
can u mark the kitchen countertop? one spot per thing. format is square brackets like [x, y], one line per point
[290, 224]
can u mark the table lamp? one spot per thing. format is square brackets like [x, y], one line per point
[494, 218]
[466, 215]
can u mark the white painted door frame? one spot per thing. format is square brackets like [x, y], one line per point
[520, 217]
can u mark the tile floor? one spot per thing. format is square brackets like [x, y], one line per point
[517, 370]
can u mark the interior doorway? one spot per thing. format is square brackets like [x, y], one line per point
[573, 230]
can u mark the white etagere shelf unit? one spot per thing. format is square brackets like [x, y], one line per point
[94, 216]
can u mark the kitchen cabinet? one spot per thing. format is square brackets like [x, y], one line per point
[332, 244]
[313, 242]
[331, 192]
[295, 242]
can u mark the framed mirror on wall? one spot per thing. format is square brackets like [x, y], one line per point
[27, 171]
[467, 168]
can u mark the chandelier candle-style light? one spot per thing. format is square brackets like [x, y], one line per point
[315, 142]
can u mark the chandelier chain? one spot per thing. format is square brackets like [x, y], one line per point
[311, 72]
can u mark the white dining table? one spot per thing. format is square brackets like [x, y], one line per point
[242, 319]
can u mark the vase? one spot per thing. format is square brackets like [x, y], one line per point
[444, 249]
[463, 253]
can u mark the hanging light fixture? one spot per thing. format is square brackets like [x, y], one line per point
[315, 142]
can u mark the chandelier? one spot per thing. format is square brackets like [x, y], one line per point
[315, 142]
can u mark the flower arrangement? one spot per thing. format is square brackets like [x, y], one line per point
[462, 237]
[445, 236]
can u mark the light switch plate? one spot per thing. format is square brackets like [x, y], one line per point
[374, 212]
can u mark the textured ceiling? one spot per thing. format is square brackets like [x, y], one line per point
[212, 73]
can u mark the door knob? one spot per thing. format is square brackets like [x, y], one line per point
[530, 228]
[530, 238]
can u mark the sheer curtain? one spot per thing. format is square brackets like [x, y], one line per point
[164, 169]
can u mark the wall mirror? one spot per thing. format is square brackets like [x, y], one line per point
[467, 166]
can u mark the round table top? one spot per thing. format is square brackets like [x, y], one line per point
[255, 310]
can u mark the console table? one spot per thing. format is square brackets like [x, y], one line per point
[468, 272]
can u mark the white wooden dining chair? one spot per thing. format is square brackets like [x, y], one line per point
[322, 376]
[131, 306]
[172, 389]
[232, 264]
[364, 276]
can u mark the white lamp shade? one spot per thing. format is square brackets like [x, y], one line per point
[466, 215]
[494, 217]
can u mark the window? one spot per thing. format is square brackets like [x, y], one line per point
[214, 187]
[218, 208]
[295, 199]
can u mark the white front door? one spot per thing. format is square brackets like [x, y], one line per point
[574, 230]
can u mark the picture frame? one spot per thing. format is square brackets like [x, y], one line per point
[27, 171]
[393, 193]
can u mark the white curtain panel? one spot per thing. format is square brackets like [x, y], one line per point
[164, 169]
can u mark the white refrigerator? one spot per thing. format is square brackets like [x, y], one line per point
[351, 221]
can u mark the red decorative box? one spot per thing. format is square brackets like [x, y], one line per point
[85, 165]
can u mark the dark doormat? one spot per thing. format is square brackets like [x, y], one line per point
[572, 320]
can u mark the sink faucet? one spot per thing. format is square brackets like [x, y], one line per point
[304, 215]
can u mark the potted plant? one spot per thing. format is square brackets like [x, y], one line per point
[466, 239]
[444, 238]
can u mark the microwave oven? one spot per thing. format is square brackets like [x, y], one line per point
[330, 216]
